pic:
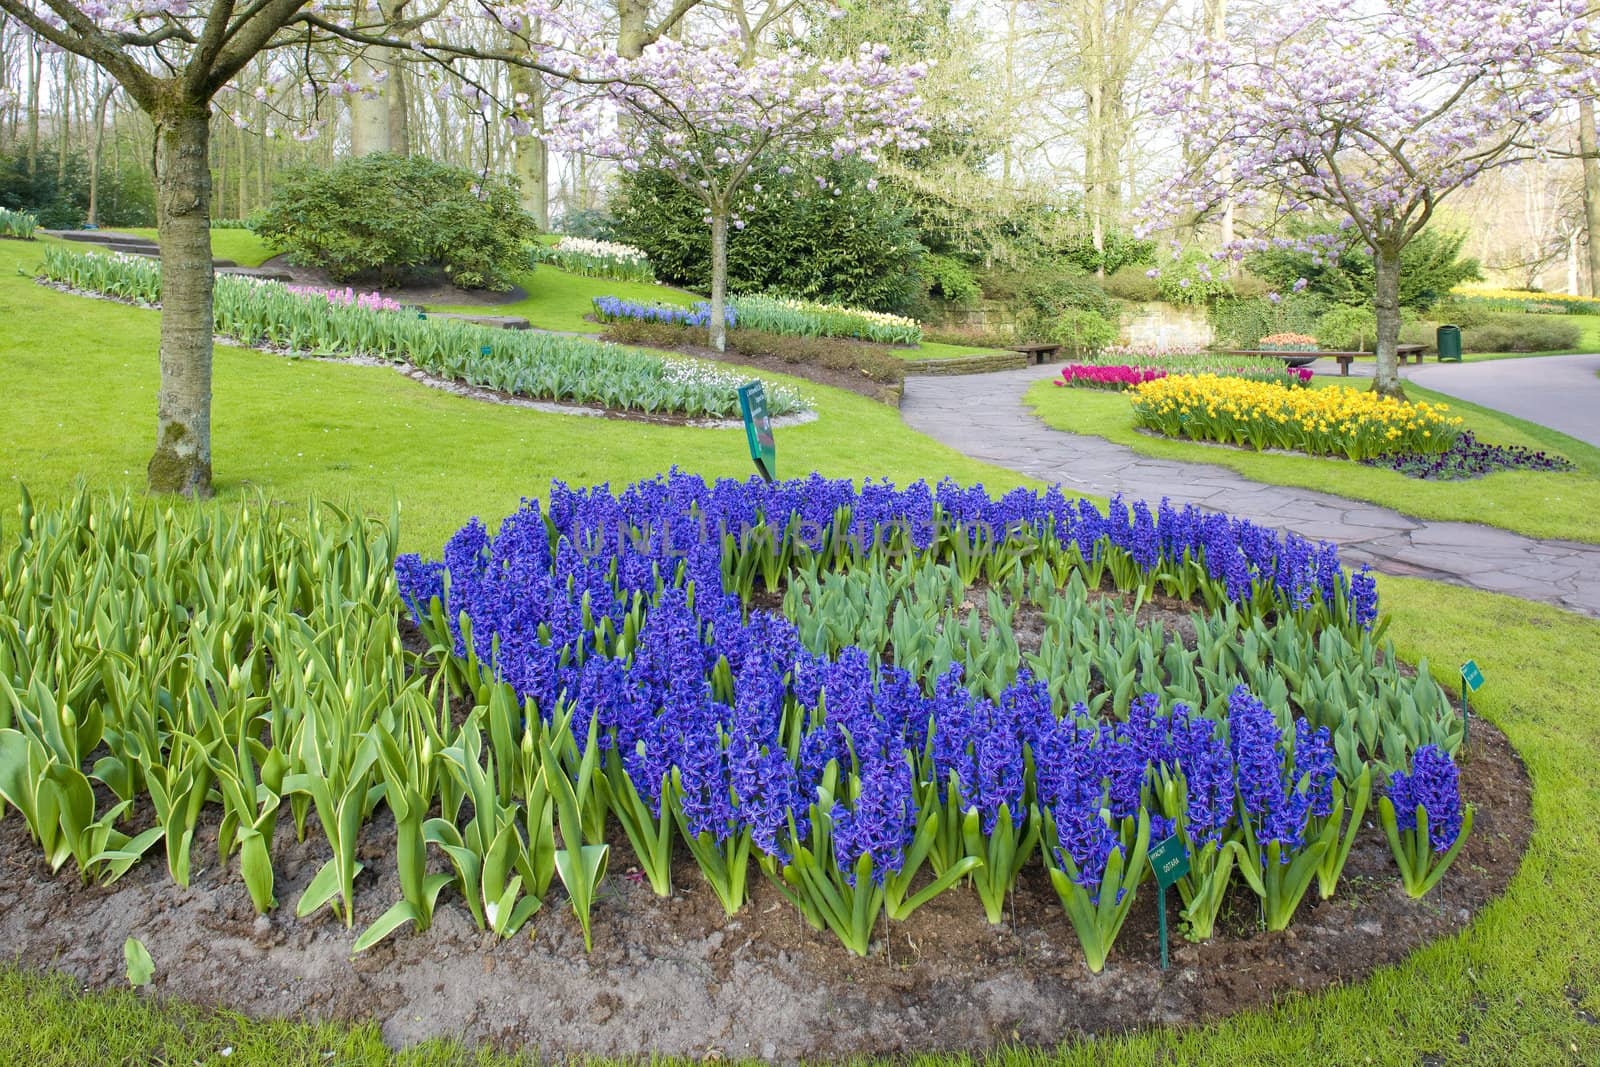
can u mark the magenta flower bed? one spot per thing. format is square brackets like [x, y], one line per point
[1118, 377]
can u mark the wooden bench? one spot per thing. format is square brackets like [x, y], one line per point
[1039, 352]
[1344, 359]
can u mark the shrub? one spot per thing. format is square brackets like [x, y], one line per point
[1133, 284]
[950, 279]
[523, 363]
[799, 238]
[1342, 272]
[595, 225]
[1521, 333]
[1080, 331]
[1354, 423]
[1191, 277]
[58, 196]
[1347, 329]
[831, 352]
[1241, 322]
[394, 215]
[1062, 305]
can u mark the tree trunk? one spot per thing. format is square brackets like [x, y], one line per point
[1591, 189]
[182, 460]
[369, 115]
[530, 157]
[94, 156]
[632, 30]
[35, 70]
[399, 113]
[1386, 263]
[719, 279]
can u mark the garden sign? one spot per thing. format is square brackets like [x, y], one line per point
[1170, 861]
[758, 428]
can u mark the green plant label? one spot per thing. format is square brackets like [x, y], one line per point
[1170, 860]
[1471, 676]
[487, 350]
[758, 428]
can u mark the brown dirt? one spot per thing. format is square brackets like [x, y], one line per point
[675, 976]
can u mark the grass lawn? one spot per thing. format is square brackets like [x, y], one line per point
[938, 350]
[1537, 504]
[241, 246]
[557, 300]
[294, 427]
[1521, 985]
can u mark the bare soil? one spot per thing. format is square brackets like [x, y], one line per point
[676, 976]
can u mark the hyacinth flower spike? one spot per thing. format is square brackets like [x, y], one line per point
[1339, 832]
[648, 828]
[1424, 819]
[854, 865]
[1212, 858]
[1098, 901]
[580, 863]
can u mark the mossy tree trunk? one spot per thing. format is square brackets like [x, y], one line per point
[182, 460]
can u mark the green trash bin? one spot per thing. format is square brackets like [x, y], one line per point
[1448, 340]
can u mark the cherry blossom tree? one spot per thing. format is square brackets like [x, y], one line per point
[706, 113]
[173, 57]
[1374, 110]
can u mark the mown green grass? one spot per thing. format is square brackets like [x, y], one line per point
[1562, 505]
[241, 246]
[557, 300]
[80, 381]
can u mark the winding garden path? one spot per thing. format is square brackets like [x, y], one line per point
[984, 417]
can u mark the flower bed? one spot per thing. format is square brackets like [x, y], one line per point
[1524, 300]
[597, 259]
[1105, 372]
[1287, 342]
[1113, 376]
[616, 309]
[348, 297]
[1467, 457]
[519, 362]
[799, 745]
[792, 318]
[865, 751]
[17, 224]
[807, 318]
[1355, 423]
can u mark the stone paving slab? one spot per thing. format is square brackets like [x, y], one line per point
[984, 417]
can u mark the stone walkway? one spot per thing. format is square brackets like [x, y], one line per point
[984, 417]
